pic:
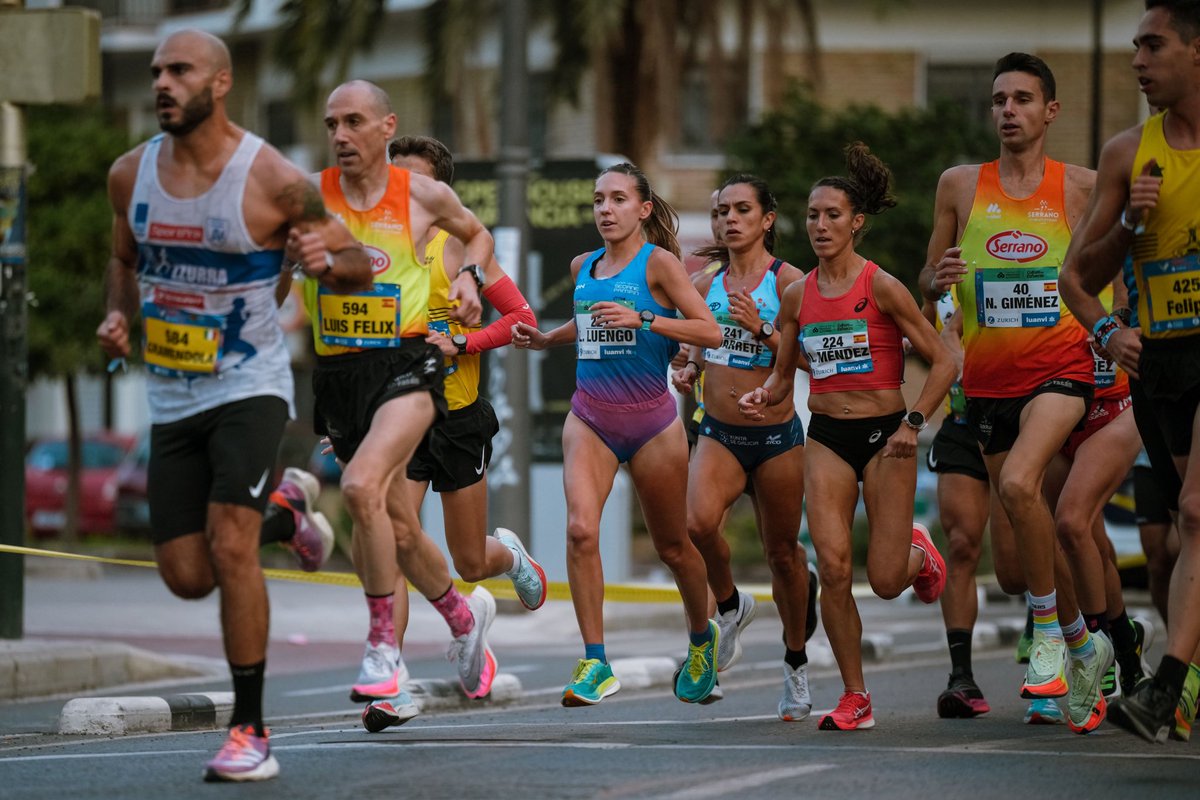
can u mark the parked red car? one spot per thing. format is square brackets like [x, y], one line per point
[46, 483]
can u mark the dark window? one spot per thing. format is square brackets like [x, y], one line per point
[281, 124]
[968, 86]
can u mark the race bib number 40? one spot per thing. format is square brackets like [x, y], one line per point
[1017, 297]
[363, 319]
[738, 347]
[837, 348]
[594, 342]
[180, 343]
[1173, 293]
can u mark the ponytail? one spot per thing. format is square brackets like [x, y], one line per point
[868, 186]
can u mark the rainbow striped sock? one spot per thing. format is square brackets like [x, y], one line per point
[1079, 641]
[1045, 615]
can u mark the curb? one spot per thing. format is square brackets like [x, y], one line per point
[34, 668]
[109, 716]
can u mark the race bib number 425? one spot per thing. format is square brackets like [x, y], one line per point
[1173, 293]
[1017, 297]
[837, 348]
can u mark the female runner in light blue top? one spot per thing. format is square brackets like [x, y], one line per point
[626, 331]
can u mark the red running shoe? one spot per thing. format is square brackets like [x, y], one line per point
[853, 711]
[931, 580]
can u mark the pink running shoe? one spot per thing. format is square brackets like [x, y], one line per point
[931, 580]
[853, 711]
[245, 756]
[313, 541]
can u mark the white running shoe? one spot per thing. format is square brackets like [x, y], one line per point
[528, 577]
[796, 703]
[382, 674]
[476, 661]
[729, 649]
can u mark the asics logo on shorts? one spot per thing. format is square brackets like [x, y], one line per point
[874, 437]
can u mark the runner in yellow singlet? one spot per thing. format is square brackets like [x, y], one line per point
[1148, 199]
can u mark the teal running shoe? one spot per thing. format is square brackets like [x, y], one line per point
[697, 675]
[1044, 711]
[592, 682]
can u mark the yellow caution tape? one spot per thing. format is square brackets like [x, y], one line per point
[501, 588]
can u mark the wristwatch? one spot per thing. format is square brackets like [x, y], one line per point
[460, 341]
[647, 318]
[765, 331]
[915, 420]
[476, 273]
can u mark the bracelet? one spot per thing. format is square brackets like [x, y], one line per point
[1126, 224]
[933, 283]
[695, 364]
[1104, 328]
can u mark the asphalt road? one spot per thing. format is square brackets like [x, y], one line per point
[636, 744]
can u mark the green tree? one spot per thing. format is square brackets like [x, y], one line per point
[69, 230]
[801, 142]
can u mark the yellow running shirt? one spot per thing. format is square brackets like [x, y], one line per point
[462, 372]
[1166, 250]
[1016, 333]
[397, 306]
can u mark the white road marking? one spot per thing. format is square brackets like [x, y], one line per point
[731, 786]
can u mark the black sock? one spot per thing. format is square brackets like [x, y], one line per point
[728, 604]
[1171, 674]
[247, 695]
[1095, 623]
[960, 650]
[278, 524]
[1123, 637]
[795, 659]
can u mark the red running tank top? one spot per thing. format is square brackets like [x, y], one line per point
[851, 345]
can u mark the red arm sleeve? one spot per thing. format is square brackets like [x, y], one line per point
[513, 308]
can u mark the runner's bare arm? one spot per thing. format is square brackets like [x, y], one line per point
[121, 296]
[779, 383]
[451, 215]
[896, 301]
[695, 324]
[326, 249]
[943, 265]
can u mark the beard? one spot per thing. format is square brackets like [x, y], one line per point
[198, 109]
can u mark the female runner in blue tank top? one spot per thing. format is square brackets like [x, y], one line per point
[626, 330]
[731, 451]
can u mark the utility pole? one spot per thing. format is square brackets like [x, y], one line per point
[508, 376]
[46, 56]
[1097, 79]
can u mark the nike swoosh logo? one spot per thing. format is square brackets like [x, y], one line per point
[256, 490]
[482, 458]
[932, 460]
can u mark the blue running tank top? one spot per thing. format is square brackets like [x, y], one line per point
[620, 365]
[211, 328]
[738, 347]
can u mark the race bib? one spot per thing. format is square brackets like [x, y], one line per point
[1173, 293]
[1105, 370]
[595, 342]
[837, 348]
[738, 348]
[1017, 297]
[180, 344]
[362, 319]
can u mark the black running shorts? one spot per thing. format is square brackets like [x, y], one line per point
[349, 389]
[457, 450]
[996, 421]
[1170, 375]
[955, 451]
[223, 455]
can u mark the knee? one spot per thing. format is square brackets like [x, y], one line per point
[786, 561]
[963, 549]
[886, 587]
[190, 582]
[1072, 530]
[360, 496]
[471, 568]
[583, 538]
[1017, 493]
[836, 576]
[700, 531]
[1189, 518]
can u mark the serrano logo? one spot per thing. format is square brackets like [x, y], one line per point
[1017, 246]
[380, 260]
